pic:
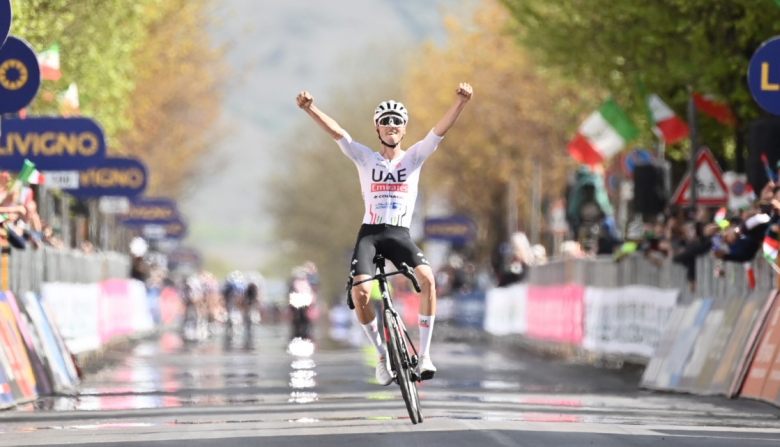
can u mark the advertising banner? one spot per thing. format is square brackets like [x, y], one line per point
[142, 307]
[118, 177]
[33, 344]
[628, 320]
[458, 230]
[16, 363]
[117, 312]
[53, 144]
[665, 369]
[469, 309]
[54, 352]
[6, 15]
[75, 309]
[505, 310]
[20, 75]
[151, 211]
[763, 378]
[764, 75]
[711, 345]
[555, 313]
[171, 308]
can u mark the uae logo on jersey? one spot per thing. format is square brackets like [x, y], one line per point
[391, 187]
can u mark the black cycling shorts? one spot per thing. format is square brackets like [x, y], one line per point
[392, 242]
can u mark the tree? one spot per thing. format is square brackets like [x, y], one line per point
[667, 44]
[518, 122]
[145, 69]
[96, 40]
[175, 105]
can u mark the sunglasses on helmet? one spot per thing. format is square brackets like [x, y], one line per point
[391, 120]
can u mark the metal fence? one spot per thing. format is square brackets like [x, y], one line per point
[714, 278]
[28, 269]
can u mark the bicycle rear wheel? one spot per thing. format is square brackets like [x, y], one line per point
[399, 357]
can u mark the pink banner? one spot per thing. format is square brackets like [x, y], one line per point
[555, 313]
[116, 309]
[171, 308]
[408, 305]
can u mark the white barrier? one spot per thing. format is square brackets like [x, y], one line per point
[628, 320]
[505, 310]
[75, 309]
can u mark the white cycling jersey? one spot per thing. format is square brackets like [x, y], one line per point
[389, 187]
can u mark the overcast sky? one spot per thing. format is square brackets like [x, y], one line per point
[277, 48]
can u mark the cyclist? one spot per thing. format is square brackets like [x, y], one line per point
[388, 182]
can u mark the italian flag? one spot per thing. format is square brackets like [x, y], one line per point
[715, 108]
[49, 61]
[603, 134]
[770, 248]
[69, 100]
[668, 126]
[36, 178]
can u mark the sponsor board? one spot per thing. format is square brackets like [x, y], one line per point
[20, 75]
[52, 143]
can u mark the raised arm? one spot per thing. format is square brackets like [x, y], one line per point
[463, 96]
[306, 102]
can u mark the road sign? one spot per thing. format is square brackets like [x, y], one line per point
[711, 190]
[5, 20]
[764, 75]
[20, 76]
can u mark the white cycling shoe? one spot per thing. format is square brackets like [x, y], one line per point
[425, 367]
[383, 374]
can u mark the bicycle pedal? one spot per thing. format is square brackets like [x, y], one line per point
[427, 375]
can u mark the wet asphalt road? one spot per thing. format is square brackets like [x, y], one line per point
[167, 393]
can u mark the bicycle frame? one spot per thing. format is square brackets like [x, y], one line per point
[396, 337]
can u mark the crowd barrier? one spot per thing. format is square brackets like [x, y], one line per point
[60, 305]
[720, 335]
[597, 306]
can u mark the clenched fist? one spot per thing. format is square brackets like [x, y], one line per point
[304, 100]
[464, 91]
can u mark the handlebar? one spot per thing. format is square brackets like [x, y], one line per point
[404, 270]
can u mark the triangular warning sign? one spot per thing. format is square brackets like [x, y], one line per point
[711, 190]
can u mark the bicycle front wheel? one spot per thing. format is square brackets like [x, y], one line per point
[402, 366]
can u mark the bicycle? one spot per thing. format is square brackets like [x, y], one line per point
[402, 361]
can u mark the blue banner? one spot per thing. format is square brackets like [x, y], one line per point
[53, 144]
[20, 75]
[124, 177]
[5, 20]
[458, 230]
[176, 230]
[764, 75]
[470, 309]
[151, 211]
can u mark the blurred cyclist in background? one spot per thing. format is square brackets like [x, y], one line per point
[232, 295]
[302, 298]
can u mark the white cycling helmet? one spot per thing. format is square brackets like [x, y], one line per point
[390, 107]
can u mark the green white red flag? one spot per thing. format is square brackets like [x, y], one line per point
[709, 105]
[49, 62]
[69, 101]
[667, 125]
[602, 135]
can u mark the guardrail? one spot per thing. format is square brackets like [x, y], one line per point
[714, 278]
[29, 269]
